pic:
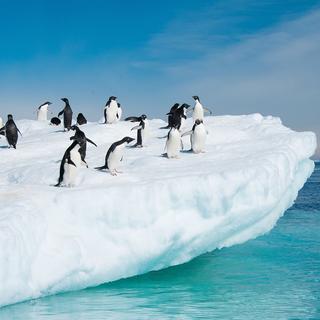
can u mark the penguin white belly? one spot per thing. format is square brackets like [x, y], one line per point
[1, 123]
[198, 139]
[70, 171]
[182, 123]
[115, 158]
[198, 112]
[42, 115]
[112, 111]
[174, 144]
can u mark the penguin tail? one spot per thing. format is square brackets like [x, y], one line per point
[101, 168]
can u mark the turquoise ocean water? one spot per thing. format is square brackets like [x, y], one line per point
[276, 276]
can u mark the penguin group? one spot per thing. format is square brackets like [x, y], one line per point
[75, 154]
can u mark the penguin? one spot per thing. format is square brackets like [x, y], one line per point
[114, 155]
[1, 123]
[179, 116]
[198, 136]
[67, 114]
[42, 111]
[112, 110]
[119, 113]
[174, 143]
[82, 141]
[182, 112]
[70, 163]
[81, 119]
[198, 109]
[10, 131]
[55, 121]
[142, 127]
[170, 116]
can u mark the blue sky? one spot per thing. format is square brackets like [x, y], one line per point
[240, 56]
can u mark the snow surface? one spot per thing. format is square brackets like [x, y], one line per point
[160, 212]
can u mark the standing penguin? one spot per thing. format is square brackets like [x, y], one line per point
[174, 143]
[82, 140]
[70, 163]
[10, 131]
[170, 116]
[112, 110]
[81, 119]
[182, 113]
[114, 155]
[42, 112]
[198, 109]
[1, 123]
[179, 116]
[119, 113]
[67, 114]
[198, 136]
[142, 127]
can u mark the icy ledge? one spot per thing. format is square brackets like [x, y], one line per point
[158, 213]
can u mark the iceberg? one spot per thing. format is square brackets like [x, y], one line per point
[158, 213]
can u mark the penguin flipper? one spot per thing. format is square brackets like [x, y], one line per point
[187, 133]
[137, 127]
[208, 110]
[101, 168]
[181, 144]
[60, 113]
[132, 119]
[71, 162]
[90, 141]
[105, 114]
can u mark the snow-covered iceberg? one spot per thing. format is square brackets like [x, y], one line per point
[158, 213]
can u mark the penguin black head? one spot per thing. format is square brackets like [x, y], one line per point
[127, 139]
[65, 100]
[185, 105]
[112, 98]
[47, 102]
[74, 127]
[10, 117]
[196, 98]
[143, 117]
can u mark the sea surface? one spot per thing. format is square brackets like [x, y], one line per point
[276, 276]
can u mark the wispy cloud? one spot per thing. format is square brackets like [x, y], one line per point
[275, 71]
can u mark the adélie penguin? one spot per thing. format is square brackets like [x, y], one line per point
[199, 109]
[42, 112]
[198, 136]
[10, 131]
[1, 123]
[170, 116]
[67, 114]
[179, 116]
[81, 119]
[173, 143]
[142, 129]
[114, 155]
[82, 140]
[112, 110]
[69, 165]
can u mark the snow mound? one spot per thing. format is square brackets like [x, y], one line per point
[158, 213]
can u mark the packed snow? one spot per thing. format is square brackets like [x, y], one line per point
[159, 212]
